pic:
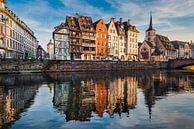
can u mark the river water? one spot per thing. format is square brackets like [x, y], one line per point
[98, 100]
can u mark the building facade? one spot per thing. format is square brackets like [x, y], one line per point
[88, 37]
[183, 49]
[101, 39]
[41, 53]
[121, 40]
[75, 38]
[113, 46]
[50, 50]
[131, 39]
[156, 47]
[61, 42]
[17, 40]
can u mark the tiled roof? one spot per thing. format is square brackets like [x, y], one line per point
[120, 28]
[178, 44]
[165, 41]
[72, 23]
[61, 26]
[85, 23]
[95, 23]
[129, 27]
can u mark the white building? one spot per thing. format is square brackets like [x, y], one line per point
[17, 40]
[61, 42]
[121, 40]
[113, 46]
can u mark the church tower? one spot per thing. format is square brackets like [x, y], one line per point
[150, 32]
[2, 4]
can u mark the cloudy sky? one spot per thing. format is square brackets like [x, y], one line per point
[173, 18]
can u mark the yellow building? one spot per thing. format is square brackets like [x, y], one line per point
[17, 40]
[131, 37]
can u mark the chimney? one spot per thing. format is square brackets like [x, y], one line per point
[129, 22]
[112, 19]
[121, 20]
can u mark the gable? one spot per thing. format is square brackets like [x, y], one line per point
[145, 45]
[112, 28]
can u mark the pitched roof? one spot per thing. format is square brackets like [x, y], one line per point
[129, 27]
[72, 23]
[95, 23]
[178, 44]
[120, 28]
[85, 23]
[61, 26]
[165, 41]
[149, 44]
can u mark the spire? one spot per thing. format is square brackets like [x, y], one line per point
[151, 24]
[150, 27]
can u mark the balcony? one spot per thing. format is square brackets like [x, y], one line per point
[75, 51]
[90, 52]
[75, 36]
[75, 43]
[88, 37]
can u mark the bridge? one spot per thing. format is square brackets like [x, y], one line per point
[180, 63]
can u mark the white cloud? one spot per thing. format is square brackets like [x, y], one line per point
[42, 17]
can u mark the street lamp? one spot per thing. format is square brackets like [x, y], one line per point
[4, 19]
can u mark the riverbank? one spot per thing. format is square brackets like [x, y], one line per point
[38, 66]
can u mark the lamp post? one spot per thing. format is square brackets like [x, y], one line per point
[4, 19]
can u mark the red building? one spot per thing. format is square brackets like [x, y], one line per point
[101, 97]
[101, 39]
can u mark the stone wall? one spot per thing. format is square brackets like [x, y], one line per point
[18, 66]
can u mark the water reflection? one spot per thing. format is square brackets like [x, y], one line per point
[14, 99]
[81, 95]
[115, 93]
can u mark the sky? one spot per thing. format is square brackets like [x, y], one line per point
[172, 18]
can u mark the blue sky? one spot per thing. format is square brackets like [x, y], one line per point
[173, 18]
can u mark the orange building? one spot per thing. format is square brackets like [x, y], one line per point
[101, 97]
[101, 39]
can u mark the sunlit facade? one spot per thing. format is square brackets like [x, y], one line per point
[17, 40]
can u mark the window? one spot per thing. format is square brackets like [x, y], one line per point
[109, 37]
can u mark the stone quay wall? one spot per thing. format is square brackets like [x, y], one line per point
[30, 66]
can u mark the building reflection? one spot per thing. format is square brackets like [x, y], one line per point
[78, 99]
[101, 94]
[81, 96]
[115, 94]
[122, 95]
[13, 101]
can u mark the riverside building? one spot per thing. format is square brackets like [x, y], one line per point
[61, 42]
[113, 46]
[101, 39]
[131, 39]
[17, 40]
